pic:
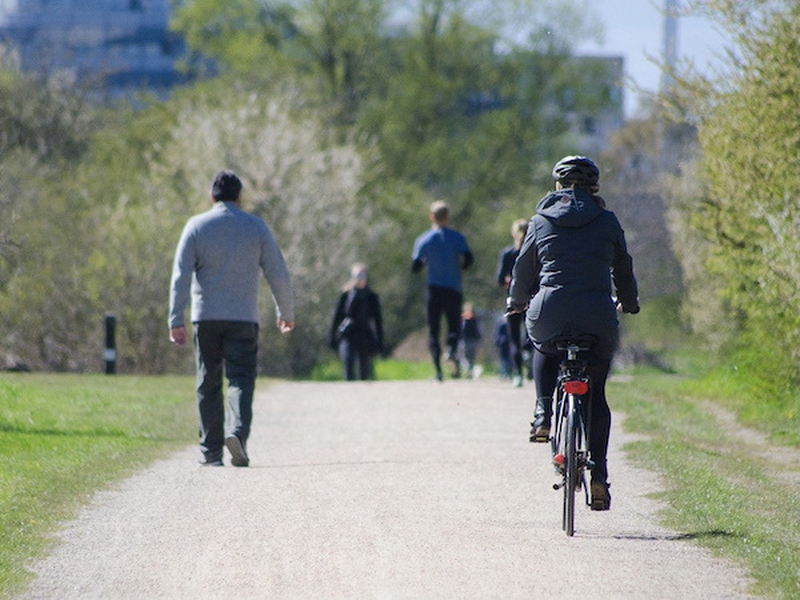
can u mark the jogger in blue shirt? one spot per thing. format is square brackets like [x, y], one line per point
[445, 253]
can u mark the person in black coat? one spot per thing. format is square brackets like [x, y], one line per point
[357, 327]
[573, 259]
[505, 263]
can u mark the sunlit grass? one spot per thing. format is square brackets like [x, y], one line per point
[385, 370]
[720, 493]
[64, 436]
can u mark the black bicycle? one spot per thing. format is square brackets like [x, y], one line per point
[571, 418]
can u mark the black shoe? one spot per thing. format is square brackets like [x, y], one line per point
[601, 497]
[540, 428]
[211, 461]
[455, 371]
[236, 448]
[455, 367]
[540, 433]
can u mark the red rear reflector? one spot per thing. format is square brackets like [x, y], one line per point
[559, 459]
[576, 387]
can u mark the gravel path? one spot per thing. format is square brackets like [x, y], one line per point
[378, 490]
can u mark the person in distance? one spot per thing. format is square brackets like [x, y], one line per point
[219, 260]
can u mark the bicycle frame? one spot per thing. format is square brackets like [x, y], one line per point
[569, 442]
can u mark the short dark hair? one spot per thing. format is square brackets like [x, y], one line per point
[226, 186]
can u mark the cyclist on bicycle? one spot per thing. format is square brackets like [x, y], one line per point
[574, 251]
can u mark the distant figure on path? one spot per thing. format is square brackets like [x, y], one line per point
[470, 340]
[357, 327]
[219, 259]
[516, 330]
[445, 253]
[503, 346]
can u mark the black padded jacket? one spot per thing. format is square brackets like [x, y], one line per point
[572, 262]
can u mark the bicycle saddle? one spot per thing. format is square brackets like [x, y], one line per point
[584, 341]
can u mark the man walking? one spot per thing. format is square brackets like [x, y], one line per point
[445, 252]
[218, 259]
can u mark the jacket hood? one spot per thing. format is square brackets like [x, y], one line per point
[569, 208]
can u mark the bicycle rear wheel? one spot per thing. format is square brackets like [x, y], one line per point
[558, 445]
[572, 470]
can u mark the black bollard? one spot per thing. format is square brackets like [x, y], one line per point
[110, 353]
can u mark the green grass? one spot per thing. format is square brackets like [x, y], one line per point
[385, 370]
[772, 405]
[720, 491]
[62, 437]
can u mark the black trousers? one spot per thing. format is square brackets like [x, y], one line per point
[356, 351]
[517, 336]
[545, 375]
[443, 302]
[231, 346]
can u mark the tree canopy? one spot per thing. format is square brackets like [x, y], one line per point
[740, 222]
[345, 124]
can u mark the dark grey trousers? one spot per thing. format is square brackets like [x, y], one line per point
[231, 346]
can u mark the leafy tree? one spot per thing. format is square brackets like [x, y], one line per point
[45, 128]
[40, 124]
[748, 215]
[243, 35]
[338, 39]
[446, 108]
[305, 182]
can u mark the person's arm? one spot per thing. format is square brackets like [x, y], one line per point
[180, 285]
[503, 272]
[418, 255]
[524, 274]
[277, 275]
[378, 318]
[469, 260]
[623, 277]
[338, 315]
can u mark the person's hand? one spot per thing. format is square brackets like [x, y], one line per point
[513, 310]
[285, 326]
[177, 335]
[631, 310]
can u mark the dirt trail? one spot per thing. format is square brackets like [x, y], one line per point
[367, 490]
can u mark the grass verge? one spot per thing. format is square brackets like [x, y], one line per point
[729, 493]
[62, 437]
[388, 369]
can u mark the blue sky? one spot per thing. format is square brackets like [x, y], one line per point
[634, 30]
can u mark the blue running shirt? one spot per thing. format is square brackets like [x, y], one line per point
[441, 248]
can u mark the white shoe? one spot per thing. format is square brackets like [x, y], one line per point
[517, 381]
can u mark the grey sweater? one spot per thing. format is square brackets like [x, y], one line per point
[220, 254]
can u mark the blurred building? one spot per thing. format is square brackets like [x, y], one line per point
[111, 45]
[598, 82]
